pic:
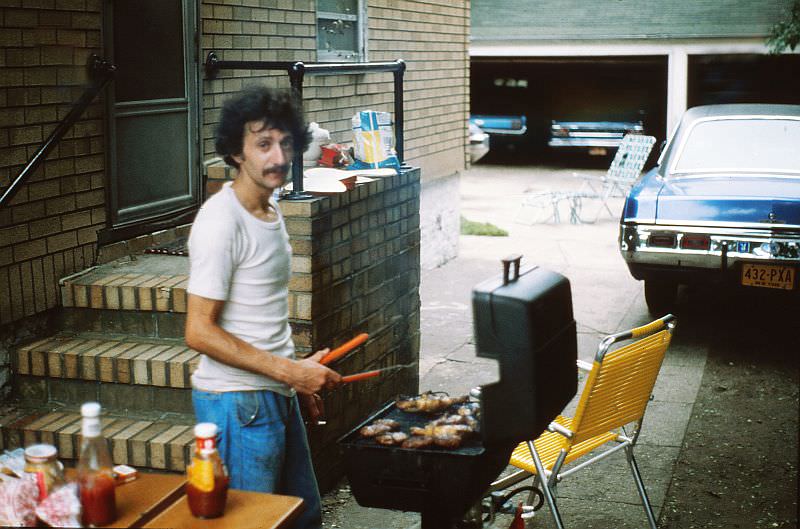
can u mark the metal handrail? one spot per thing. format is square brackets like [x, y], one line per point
[100, 72]
[297, 70]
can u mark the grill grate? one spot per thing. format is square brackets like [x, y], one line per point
[177, 247]
[470, 446]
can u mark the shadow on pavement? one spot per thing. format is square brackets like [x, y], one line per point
[738, 465]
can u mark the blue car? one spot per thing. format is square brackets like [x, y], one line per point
[722, 205]
[505, 132]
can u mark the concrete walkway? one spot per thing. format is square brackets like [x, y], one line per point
[606, 300]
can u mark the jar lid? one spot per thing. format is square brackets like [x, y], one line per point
[205, 430]
[40, 453]
[90, 409]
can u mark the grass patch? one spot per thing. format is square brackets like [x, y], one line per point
[469, 227]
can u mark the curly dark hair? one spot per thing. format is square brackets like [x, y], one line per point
[276, 108]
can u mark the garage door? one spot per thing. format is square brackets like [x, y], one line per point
[573, 88]
[744, 78]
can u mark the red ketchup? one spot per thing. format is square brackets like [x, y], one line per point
[97, 499]
[207, 477]
[208, 504]
[95, 480]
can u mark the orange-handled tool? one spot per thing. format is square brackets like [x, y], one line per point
[343, 349]
[374, 373]
[361, 376]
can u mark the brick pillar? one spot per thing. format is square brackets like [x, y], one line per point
[217, 174]
[356, 268]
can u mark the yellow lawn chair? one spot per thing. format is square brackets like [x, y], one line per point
[610, 411]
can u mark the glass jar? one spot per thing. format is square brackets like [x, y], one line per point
[42, 462]
[207, 478]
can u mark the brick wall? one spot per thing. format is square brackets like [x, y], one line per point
[49, 229]
[431, 36]
[356, 268]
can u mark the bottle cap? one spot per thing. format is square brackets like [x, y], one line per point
[40, 453]
[90, 409]
[205, 430]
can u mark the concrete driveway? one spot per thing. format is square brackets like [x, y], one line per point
[606, 300]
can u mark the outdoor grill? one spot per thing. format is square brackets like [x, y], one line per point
[524, 321]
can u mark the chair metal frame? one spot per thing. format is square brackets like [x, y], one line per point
[625, 168]
[615, 396]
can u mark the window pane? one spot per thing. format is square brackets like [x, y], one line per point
[742, 145]
[148, 49]
[338, 6]
[337, 36]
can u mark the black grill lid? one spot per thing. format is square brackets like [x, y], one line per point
[524, 320]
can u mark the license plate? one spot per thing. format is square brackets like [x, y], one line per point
[769, 276]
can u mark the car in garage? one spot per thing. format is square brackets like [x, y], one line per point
[478, 144]
[594, 137]
[506, 132]
[722, 206]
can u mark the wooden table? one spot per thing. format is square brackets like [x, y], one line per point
[158, 500]
[242, 510]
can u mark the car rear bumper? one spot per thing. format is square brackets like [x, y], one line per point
[611, 143]
[730, 253]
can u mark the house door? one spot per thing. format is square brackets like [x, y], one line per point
[152, 115]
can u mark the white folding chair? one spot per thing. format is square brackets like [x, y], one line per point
[625, 168]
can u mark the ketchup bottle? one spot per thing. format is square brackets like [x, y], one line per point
[207, 478]
[95, 478]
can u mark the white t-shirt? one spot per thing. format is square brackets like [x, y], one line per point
[244, 261]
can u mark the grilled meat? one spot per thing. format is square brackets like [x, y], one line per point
[391, 438]
[442, 430]
[379, 427]
[417, 441]
[450, 442]
[429, 402]
[468, 410]
[456, 418]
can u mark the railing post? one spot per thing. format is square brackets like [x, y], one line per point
[398, 110]
[296, 74]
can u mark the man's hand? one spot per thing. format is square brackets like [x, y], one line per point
[309, 376]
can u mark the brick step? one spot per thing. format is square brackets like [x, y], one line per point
[170, 325]
[122, 371]
[150, 283]
[159, 443]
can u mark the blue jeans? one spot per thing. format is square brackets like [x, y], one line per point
[263, 442]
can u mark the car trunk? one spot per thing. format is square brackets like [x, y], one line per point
[746, 199]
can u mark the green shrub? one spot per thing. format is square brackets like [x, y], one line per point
[469, 227]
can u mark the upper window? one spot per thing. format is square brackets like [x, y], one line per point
[341, 30]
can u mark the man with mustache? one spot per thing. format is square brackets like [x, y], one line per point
[249, 382]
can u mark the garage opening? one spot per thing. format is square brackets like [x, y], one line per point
[568, 89]
[744, 78]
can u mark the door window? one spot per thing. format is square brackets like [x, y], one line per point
[149, 58]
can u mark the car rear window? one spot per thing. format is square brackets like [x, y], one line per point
[741, 145]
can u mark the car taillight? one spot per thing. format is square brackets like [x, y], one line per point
[560, 132]
[662, 240]
[695, 241]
